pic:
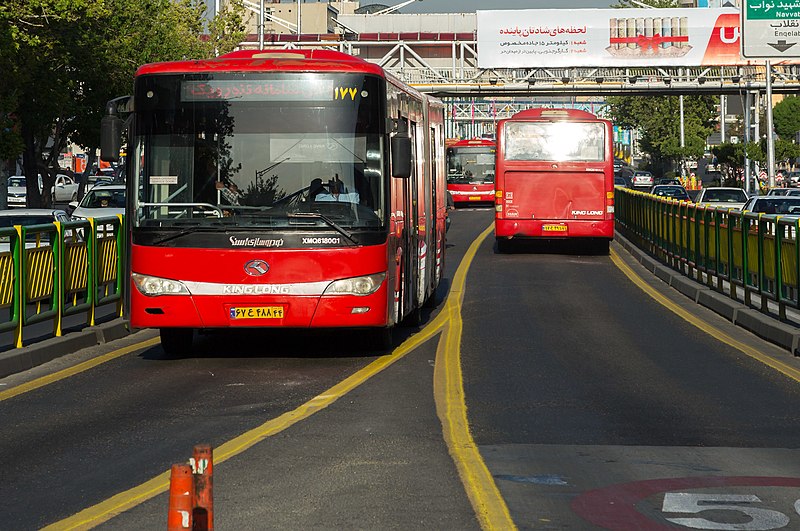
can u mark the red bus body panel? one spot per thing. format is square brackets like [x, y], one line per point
[554, 199]
[297, 278]
[290, 271]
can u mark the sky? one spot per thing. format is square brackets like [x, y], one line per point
[470, 6]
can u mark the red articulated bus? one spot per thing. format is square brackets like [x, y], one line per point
[555, 177]
[470, 171]
[294, 188]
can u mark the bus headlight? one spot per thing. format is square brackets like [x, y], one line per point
[366, 285]
[153, 286]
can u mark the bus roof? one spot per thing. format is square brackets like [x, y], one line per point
[553, 114]
[300, 60]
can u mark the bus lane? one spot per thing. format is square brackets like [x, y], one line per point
[597, 404]
[148, 410]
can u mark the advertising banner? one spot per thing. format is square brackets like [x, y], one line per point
[543, 38]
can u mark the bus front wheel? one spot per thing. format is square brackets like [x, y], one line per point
[176, 341]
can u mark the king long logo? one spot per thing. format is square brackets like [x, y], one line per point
[256, 268]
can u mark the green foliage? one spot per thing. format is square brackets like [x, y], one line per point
[657, 118]
[62, 60]
[786, 117]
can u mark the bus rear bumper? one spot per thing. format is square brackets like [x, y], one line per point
[544, 229]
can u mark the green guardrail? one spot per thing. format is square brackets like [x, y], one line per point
[54, 270]
[756, 255]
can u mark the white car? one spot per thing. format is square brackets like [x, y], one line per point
[101, 201]
[17, 193]
[642, 179]
[64, 190]
[722, 196]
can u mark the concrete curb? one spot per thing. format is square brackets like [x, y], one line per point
[764, 326]
[28, 357]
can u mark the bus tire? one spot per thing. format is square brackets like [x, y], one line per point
[380, 339]
[414, 317]
[600, 246]
[176, 341]
[503, 245]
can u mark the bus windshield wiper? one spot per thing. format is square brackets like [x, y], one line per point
[326, 219]
[190, 230]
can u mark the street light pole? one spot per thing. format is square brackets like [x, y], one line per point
[770, 139]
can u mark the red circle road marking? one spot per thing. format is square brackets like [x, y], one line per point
[614, 507]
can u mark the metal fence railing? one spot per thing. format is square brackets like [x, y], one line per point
[55, 270]
[745, 255]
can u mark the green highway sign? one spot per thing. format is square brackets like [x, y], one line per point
[770, 29]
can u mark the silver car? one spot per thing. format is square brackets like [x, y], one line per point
[101, 201]
[642, 179]
[17, 192]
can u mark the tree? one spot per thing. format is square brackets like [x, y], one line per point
[62, 61]
[786, 118]
[657, 118]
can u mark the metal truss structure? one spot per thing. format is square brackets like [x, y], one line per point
[449, 69]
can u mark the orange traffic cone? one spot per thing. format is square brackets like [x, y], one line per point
[181, 498]
[203, 468]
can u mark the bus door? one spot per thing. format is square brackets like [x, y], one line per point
[411, 207]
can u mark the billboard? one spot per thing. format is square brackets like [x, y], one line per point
[543, 38]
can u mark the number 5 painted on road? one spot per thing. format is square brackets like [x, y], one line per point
[683, 502]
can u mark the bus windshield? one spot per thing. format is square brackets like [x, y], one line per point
[258, 149]
[470, 165]
[555, 141]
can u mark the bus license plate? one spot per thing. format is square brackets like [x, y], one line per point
[554, 228]
[257, 312]
[474, 198]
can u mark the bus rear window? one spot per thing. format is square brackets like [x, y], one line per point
[555, 141]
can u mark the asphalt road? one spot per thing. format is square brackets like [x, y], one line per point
[592, 406]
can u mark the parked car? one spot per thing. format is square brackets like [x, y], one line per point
[784, 192]
[17, 192]
[27, 217]
[722, 196]
[65, 189]
[672, 191]
[792, 178]
[94, 180]
[767, 204]
[100, 201]
[642, 179]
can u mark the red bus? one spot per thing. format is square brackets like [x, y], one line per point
[293, 188]
[555, 177]
[470, 171]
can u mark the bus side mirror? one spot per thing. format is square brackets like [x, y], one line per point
[401, 156]
[110, 138]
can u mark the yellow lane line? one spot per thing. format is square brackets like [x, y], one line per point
[448, 389]
[481, 489]
[117, 504]
[72, 371]
[711, 330]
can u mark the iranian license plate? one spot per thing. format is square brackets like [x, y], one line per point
[474, 198]
[554, 228]
[258, 312]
